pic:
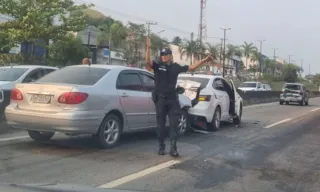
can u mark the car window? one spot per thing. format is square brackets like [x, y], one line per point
[218, 84]
[148, 82]
[248, 85]
[47, 71]
[129, 81]
[11, 74]
[292, 86]
[75, 75]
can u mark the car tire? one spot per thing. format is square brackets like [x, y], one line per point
[307, 102]
[281, 102]
[287, 102]
[40, 136]
[237, 120]
[301, 102]
[184, 126]
[111, 126]
[216, 120]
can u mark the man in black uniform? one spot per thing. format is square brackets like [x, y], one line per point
[165, 97]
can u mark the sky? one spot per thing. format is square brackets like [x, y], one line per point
[290, 26]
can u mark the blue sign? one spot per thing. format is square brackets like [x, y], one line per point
[106, 52]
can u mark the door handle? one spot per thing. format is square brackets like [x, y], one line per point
[124, 95]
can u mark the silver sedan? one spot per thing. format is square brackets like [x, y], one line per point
[101, 100]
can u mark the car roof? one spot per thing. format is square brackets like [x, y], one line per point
[199, 75]
[104, 66]
[293, 84]
[30, 66]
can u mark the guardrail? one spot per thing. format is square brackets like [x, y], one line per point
[257, 97]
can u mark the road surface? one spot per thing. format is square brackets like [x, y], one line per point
[277, 148]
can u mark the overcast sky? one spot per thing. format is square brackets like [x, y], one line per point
[291, 26]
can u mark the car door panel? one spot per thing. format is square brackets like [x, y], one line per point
[133, 99]
[222, 97]
[237, 98]
[148, 85]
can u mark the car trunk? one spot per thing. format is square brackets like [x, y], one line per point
[292, 90]
[192, 90]
[42, 97]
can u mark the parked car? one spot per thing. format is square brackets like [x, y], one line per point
[102, 100]
[215, 98]
[294, 92]
[10, 75]
[266, 87]
[251, 86]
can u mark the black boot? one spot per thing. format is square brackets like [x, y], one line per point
[173, 150]
[162, 148]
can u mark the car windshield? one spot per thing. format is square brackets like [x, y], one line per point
[292, 86]
[203, 81]
[249, 85]
[75, 75]
[11, 74]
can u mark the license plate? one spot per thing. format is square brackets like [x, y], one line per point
[45, 99]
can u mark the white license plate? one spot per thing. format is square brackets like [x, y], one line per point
[46, 99]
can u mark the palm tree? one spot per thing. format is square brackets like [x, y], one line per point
[247, 49]
[255, 56]
[176, 40]
[213, 50]
[116, 32]
[190, 49]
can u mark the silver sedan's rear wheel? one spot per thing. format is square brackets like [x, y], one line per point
[109, 132]
[216, 120]
[40, 136]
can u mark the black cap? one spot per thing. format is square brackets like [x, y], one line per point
[165, 51]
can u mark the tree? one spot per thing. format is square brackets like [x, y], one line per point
[190, 49]
[35, 20]
[96, 18]
[176, 40]
[4, 43]
[157, 43]
[116, 32]
[213, 50]
[247, 50]
[290, 73]
[316, 80]
[69, 51]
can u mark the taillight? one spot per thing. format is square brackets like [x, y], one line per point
[16, 95]
[72, 98]
[204, 97]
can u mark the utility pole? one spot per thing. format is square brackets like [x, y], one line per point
[301, 68]
[221, 50]
[274, 53]
[148, 26]
[289, 59]
[309, 69]
[260, 57]
[224, 47]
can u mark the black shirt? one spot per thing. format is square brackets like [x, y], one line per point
[166, 76]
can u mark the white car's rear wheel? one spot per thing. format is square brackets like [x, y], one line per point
[40, 136]
[216, 120]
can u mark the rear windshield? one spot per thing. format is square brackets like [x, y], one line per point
[75, 75]
[251, 85]
[11, 74]
[292, 86]
[203, 81]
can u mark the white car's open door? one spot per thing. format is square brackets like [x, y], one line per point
[237, 99]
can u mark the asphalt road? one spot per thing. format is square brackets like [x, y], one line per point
[277, 148]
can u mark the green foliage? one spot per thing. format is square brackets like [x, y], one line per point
[34, 19]
[176, 40]
[316, 79]
[190, 48]
[157, 43]
[116, 32]
[290, 73]
[69, 51]
[4, 43]
[213, 50]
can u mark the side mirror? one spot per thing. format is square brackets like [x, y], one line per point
[180, 90]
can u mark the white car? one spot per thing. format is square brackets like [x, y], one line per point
[251, 86]
[213, 100]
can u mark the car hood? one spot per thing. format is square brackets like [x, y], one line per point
[190, 88]
[247, 88]
[55, 188]
[6, 85]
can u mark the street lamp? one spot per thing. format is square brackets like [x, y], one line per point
[290, 58]
[224, 47]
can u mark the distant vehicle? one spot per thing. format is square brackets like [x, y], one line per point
[102, 100]
[251, 86]
[215, 99]
[294, 92]
[266, 87]
[10, 75]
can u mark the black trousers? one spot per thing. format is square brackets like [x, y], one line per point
[168, 107]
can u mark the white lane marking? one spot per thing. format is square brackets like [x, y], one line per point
[277, 123]
[139, 174]
[316, 109]
[13, 138]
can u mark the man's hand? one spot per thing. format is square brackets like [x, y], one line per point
[209, 58]
[148, 42]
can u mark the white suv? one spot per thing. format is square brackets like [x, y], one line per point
[251, 86]
[214, 100]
